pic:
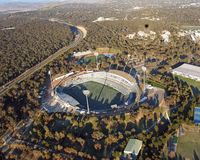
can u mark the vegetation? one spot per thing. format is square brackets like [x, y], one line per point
[190, 81]
[28, 44]
[155, 84]
[188, 145]
[67, 136]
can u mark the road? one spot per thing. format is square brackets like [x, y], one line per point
[29, 72]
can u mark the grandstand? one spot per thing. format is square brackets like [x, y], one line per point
[111, 78]
[106, 89]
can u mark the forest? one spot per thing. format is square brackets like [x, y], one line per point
[71, 136]
[28, 44]
[106, 136]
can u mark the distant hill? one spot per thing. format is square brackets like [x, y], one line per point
[25, 5]
[20, 6]
[154, 2]
[12, 6]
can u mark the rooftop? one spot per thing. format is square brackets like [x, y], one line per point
[188, 69]
[123, 74]
[66, 98]
[133, 147]
[197, 115]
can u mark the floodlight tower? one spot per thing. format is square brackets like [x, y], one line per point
[167, 116]
[96, 55]
[52, 92]
[129, 56]
[127, 62]
[125, 65]
[144, 69]
[87, 93]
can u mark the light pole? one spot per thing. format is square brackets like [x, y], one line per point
[52, 92]
[117, 66]
[127, 62]
[144, 69]
[96, 55]
[167, 115]
[130, 70]
[125, 66]
[86, 93]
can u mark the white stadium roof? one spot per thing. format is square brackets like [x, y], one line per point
[68, 99]
[188, 70]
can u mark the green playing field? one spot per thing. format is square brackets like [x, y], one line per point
[101, 96]
[189, 145]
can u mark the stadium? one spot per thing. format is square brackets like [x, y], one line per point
[96, 91]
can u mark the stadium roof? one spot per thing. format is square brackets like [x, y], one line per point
[197, 115]
[68, 99]
[123, 74]
[133, 147]
[188, 69]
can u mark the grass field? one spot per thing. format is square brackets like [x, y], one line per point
[108, 50]
[101, 97]
[92, 59]
[155, 84]
[189, 145]
[190, 81]
[195, 85]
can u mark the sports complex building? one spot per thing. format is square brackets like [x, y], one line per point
[188, 71]
[197, 115]
[108, 91]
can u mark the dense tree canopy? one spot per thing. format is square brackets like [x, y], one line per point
[29, 43]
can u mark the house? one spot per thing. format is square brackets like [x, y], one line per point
[133, 148]
[172, 144]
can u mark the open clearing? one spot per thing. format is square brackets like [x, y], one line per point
[108, 50]
[189, 144]
[190, 81]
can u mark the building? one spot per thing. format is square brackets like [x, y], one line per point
[188, 71]
[172, 144]
[197, 115]
[133, 148]
[82, 54]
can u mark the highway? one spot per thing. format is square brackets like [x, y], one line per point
[29, 72]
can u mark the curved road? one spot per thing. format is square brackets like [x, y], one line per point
[27, 73]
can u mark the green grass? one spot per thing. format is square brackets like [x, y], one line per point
[101, 96]
[188, 144]
[189, 81]
[155, 84]
[108, 50]
[92, 59]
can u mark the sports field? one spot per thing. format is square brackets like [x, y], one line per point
[190, 81]
[195, 85]
[189, 145]
[92, 59]
[100, 98]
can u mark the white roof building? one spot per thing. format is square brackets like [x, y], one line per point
[133, 147]
[81, 54]
[188, 71]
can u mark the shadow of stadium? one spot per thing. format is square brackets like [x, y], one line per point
[97, 101]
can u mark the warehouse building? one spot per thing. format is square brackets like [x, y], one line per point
[197, 115]
[188, 71]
